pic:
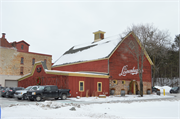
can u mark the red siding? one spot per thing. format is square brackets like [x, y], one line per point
[89, 84]
[122, 57]
[4, 43]
[25, 47]
[95, 66]
[66, 82]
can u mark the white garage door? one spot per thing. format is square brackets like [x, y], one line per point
[11, 83]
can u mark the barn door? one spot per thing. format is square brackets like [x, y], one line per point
[133, 86]
[62, 82]
[89, 86]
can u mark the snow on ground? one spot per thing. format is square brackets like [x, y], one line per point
[167, 88]
[120, 98]
[135, 110]
[111, 107]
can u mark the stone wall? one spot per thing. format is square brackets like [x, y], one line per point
[10, 61]
[118, 86]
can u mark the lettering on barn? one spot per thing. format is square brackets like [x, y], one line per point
[99, 73]
[126, 71]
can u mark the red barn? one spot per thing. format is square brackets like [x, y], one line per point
[103, 66]
[80, 84]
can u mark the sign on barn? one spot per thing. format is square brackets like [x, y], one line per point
[104, 66]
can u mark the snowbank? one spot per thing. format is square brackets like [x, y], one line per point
[120, 98]
[136, 110]
[167, 88]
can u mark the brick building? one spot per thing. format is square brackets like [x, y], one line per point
[16, 61]
[102, 66]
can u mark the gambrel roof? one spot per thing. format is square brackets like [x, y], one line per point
[102, 49]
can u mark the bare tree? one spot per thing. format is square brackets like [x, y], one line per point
[177, 45]
[152, 40]
[138, 52]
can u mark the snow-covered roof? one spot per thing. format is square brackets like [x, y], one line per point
[90, 51]
[75, 73]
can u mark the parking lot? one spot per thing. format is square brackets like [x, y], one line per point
[14, 101]
[176, 95]
[4, 101]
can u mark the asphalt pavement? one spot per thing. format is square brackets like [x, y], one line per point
[176, 95]
[4, 102]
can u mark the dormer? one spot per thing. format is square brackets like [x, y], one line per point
[22, 46]
[98, 35]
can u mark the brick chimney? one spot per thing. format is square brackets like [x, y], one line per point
[3, 35]
[98, 35]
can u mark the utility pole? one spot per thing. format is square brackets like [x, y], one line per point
[179, 60]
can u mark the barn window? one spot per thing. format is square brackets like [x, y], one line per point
[22, 60]
[115, 81]
[81, 85]
[131, 45]
[99, 86]
[22, 47]
[33, 61]
[123, 82]
[21, 70]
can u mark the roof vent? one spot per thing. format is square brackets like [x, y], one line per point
[98, 35]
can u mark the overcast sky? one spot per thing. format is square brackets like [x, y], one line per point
[52, 27]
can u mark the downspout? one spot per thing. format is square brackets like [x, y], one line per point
[108, 66]
[151, 77]
[109, 77]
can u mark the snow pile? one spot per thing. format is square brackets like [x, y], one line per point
[135, 110]
[55, 105]
[13, 105]
[167, 88]
[49, 104]
[119, 98]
